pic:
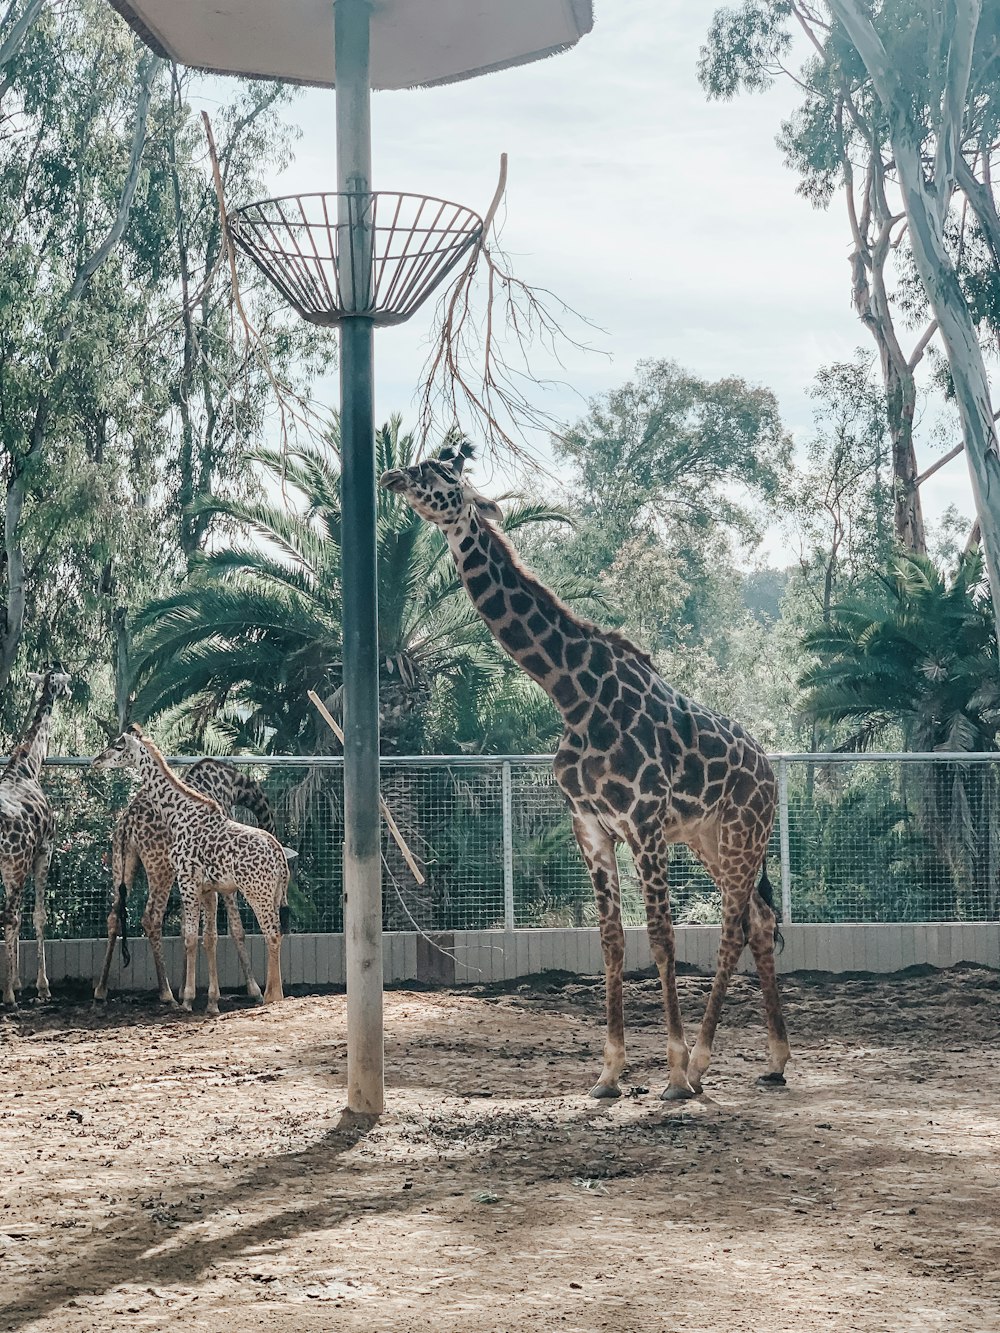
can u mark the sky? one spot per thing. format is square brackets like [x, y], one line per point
[670, 222]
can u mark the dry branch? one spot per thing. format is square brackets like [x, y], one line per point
[408, 856]
[469, 373]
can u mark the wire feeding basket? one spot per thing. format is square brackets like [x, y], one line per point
[408, 244]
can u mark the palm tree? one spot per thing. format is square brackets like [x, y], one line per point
[918, 663]
[259, 624]
[918, 660]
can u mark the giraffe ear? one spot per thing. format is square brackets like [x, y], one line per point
[36, 677]
[133, 729]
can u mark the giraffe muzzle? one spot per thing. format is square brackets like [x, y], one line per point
[393, 480]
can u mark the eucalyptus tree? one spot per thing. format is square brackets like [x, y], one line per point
[899, 112]
[841, 513]
[671, 478]
[77, 100]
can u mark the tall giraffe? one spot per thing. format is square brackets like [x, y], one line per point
[212, 853]
[638, 763]
[27, 830]
[141, 836]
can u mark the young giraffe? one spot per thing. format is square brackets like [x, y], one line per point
[140, 835]
[638, 763]
[27, 830]
[210, 852]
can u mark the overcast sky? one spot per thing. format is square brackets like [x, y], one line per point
[670, 222]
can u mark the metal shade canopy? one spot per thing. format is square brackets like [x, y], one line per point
[414, 43]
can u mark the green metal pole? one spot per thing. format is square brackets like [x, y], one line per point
[362, 845]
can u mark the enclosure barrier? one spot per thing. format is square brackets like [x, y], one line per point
[861, 841]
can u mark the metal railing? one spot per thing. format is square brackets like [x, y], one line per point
[858, 838]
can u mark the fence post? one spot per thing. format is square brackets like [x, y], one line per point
[507, 811]
[786, 860]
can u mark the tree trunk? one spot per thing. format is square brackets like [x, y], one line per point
[926, 207]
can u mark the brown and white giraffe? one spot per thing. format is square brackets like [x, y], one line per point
[27, 830]
[210, 852]
[141, 836]
[638, 763]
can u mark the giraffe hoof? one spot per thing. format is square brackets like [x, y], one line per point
[772, 1080]
[605, 1091]
[678, 1093]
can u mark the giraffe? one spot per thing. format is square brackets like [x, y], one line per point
[27, 830]
[638, 763]
[140, 835]
[212, 853]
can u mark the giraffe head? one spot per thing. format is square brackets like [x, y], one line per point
[436, 489]
[53, 678]
[125, 751]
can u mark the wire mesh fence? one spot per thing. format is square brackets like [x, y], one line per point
[860, 838]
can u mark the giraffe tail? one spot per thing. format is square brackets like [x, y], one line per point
[765, 889]
[118, 840]
[121, 912]
[284, 915]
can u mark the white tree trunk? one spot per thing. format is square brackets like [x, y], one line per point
[926, 203]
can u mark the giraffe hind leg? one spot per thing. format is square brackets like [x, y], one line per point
[761, 937]
[14, 895]
[41, 871]
[652, 862]
[209, 943]
[238, 936]
[736, 892]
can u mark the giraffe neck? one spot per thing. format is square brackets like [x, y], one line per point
[529, 621]
[176, 801]
[31, 753]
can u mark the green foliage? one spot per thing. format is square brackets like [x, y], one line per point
[918, 659]
[258, 624]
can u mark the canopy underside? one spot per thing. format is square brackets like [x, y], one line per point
[414, 43]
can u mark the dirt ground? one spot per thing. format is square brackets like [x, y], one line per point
[164, 1171]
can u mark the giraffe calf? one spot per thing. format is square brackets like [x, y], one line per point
[210, 853]
[141, 837]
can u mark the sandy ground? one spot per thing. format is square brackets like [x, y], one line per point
[167, 1172]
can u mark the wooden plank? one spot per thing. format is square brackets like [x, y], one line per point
[338, 968]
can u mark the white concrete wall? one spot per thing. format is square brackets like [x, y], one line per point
[463, 956]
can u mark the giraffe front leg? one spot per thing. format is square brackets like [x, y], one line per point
[41, 869]
[652, 861]
[210, 944]
[238, 936]
[190, 907]
[14, 887]
[598, 851]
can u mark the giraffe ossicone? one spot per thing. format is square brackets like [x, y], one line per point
[638, 763]
[210, 853]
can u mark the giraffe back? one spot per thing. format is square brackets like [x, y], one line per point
[141, 825]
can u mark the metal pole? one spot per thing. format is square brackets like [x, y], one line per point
[362, 848]
[786, 860]
[507, 820]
